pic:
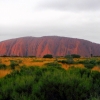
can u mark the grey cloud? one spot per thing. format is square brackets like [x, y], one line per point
[69, 18]
[71, 4]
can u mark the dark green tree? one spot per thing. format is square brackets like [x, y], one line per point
[75, 55]
[69, 59]
[48, 56]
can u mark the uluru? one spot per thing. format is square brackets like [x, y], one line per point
[55, 45]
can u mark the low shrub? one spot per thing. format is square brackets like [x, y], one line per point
[53, 64]
[3, 66]
[75, 55]
[67, 61]
[48, 56]
[13, 64]
[19, 61]
[89, 65]
[63, 61]
[98, 62]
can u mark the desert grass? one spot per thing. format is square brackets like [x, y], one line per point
[96, 68]
[28, 61]
[4, 73]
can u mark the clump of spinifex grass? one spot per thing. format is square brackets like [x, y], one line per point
[13, 64]
[3, 66]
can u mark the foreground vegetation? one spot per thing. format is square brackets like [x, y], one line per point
[50, 83]
[50, 80]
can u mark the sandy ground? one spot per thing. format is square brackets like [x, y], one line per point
[35, 62]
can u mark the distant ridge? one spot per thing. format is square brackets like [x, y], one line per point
[55, 45]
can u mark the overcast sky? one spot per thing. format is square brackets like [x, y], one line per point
[69, 18]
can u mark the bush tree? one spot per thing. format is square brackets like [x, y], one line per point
[3, 66]
[48, 56]
[75, 55]
[69, 59]
[90, 63]
[13, 64]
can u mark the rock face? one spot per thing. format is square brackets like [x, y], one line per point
[39, 46]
